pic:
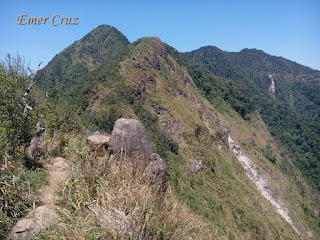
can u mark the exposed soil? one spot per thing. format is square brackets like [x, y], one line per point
[261, 182]
[272, 88]
[57, 173]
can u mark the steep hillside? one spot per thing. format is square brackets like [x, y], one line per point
[67, 69]
[286, 93]
[161, 85]
[203, 141]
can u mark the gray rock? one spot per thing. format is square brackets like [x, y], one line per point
[98, 141]
[196, 168]
[158, 172]
[129, 140]
[36, 221]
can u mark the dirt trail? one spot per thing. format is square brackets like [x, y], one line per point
[57, 173]
[43, 216]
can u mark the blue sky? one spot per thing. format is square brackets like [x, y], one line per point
[287, 28]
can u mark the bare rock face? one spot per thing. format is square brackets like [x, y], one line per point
[129, 140]
[196, 168]
[35, 222]
[158, 172]
[98, 141]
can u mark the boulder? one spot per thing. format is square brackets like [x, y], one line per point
[98, 141]
[129, 140]
[36, 221]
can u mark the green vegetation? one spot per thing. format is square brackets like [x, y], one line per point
[18, 192]
[67, 70]
[15, 128]
[102, 78]
[160, 136]
[217, 90]
[112, 108]
[144, 76]
[293, 116]
[19, 180]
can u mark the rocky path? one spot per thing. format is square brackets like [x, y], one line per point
[43, 216]
[58, 173]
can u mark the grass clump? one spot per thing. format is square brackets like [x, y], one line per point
[18, 194]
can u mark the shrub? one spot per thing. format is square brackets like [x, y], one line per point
[15, 128]
[160, 135]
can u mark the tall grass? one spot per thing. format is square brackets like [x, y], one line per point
[109, 199]
[18, 193]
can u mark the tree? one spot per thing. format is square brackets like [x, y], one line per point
[15, 120]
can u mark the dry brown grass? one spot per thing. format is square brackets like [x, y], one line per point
[108, 199]
[49, 146]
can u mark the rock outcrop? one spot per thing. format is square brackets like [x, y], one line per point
[129, 140]
[196, 168]
[35, 222]
[98, 141]
[157, 172]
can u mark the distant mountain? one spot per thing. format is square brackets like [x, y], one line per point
[69, 67]
[248, 61]
[287, 94]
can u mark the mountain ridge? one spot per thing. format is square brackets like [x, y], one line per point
[189, 112]
[247, 50]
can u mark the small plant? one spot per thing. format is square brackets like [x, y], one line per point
[198, 131]
[80, 153]
[219, 136]
[63, 142]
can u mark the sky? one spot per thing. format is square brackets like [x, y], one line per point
[287, 28]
